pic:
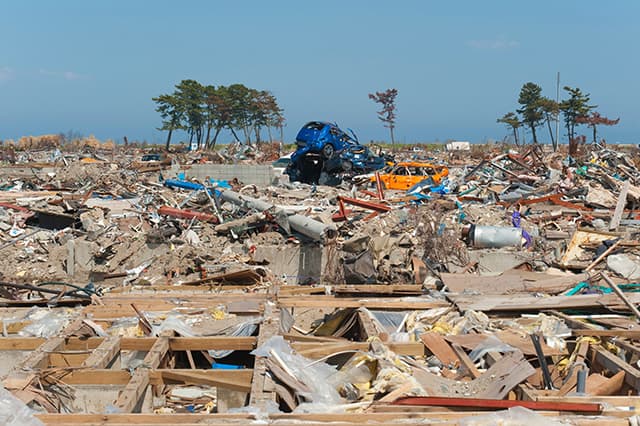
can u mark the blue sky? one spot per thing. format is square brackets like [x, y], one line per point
[94, 66]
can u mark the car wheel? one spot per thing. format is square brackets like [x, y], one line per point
[347, 166]
[327, 151]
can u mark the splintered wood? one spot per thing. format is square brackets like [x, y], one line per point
[167, 377]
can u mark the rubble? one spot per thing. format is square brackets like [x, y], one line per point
[156, 294]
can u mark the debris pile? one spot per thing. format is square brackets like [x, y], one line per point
[177, 286]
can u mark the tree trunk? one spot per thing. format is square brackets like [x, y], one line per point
[533, 133]
[550, 132]
[282, 134]
[168, 139]
[235, 135]
[269, 133]
[256, 129]
[595, 140]
[206, 141]
[569, 131]
[215, 138]
[515, 136]
[247, 135]
[393, 141]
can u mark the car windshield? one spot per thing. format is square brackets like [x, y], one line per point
[314, 126]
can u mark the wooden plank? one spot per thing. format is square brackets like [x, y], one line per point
[318, 350]
[625, 334]
[157, 353]
[614, 364]
[602, 256]
[444, 418]
[367, 327]
[156, 377]
[622, 201]
[621, 295]
[137, 386]
[261, 392]
[465, 361]
[313, 339]
[384, 289]
[526, 303]
[20, 343]
[374, 303]
[508, 372]
[440, 348]
[213, 342]
[176, 344]
[66, 359]
[511, 281]
[102, 356]
[119, 306]
[519, 341]
[614, 401]
[605, 386]
[241, 383]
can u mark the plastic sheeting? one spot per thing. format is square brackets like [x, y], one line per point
[176, 323]
[319, 377]
[490, 344]
[516, 416]
[46, 323]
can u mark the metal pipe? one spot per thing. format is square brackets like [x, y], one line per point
[186, 214]
[304, 225]
[581, 385]
[493, 236]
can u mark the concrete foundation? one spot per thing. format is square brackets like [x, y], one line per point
[98, 399]
[301, 264]
[262, 175]
[9, 359]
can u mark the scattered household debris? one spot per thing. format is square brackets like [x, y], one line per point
[149, 289]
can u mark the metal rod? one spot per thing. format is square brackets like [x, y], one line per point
[620, 294]
[546, 376]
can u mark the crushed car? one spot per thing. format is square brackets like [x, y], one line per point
[404, 175]
[327, 154]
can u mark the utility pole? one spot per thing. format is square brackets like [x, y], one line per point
[557, 141]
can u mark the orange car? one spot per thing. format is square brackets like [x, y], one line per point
[404, 175]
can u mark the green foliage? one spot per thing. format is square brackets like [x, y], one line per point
[171, 112]
[575, 107]
[531, 111]
[512, 121]
[200, 109]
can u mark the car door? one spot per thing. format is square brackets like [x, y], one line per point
[401, 178]
[391, 179]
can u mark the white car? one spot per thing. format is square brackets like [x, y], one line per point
[280, 165]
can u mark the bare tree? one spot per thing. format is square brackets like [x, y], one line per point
[388, 112]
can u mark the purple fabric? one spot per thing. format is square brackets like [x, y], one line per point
[516, 220]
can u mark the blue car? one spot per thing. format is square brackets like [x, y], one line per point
[323, 138]
[355, 159]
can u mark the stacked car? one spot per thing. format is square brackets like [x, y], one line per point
[327, 154]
